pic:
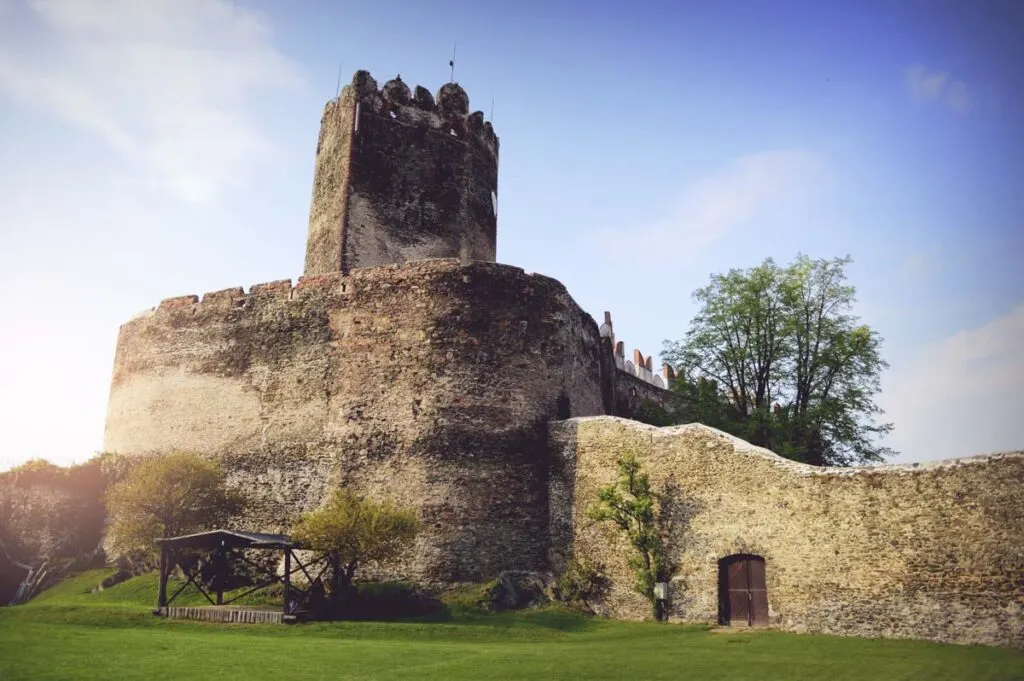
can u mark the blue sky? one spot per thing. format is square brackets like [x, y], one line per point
[163, 148]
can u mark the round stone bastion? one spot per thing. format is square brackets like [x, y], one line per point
[430, 383]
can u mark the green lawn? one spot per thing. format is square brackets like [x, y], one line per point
[68, 634]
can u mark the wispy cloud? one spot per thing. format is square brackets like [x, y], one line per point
[974, 362]
[950, 391]
[926, 85]
[168, 84]
[720, 204]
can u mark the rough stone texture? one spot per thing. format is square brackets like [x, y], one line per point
[433, 382]
[401, 178]
[631, 392]
[430, 382]
[933, 551]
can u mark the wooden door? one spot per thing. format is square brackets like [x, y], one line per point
[743, 598]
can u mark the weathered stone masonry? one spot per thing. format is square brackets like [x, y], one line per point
[430, 383]
[402, 177]
[931, 551]
[634, 383]
[408, 364]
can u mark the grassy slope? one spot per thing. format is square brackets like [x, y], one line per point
[68, 634]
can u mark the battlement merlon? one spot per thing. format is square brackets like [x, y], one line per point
[400, 176]
[642, 367]
[337, 284]
[446, 112]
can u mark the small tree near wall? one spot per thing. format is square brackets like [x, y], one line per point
[352, 531]
[167, 496]
[630, 505]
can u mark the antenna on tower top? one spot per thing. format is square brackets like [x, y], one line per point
[337, 88]
[451, 63]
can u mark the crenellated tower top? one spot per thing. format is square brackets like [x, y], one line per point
[402, 175]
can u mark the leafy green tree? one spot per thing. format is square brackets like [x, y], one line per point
[50, 512]
[630, 505]
[166, 496]
[354, 531]
[784, 362]
[654, 414]
[702, 402]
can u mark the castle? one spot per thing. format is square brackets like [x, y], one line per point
[407, 363]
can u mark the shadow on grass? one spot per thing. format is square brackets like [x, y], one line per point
[379, 609]
[400, 602]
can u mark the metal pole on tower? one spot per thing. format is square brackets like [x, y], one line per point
[337, 88]
[451, 63]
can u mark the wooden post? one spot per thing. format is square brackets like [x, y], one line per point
[219, 569]
[287, 580]
[161, 599]
[336, 573]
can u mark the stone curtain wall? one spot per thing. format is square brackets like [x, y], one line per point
[631, 384]
[431, 383]
[631, 392]
[401, 176]
[933, 551]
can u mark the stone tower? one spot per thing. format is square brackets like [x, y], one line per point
[401, 176]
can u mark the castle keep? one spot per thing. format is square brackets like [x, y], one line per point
[402, 177]
[407, 363]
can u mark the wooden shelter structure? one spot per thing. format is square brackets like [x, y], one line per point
[220, 546]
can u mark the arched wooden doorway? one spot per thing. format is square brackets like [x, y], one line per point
[742, 597]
